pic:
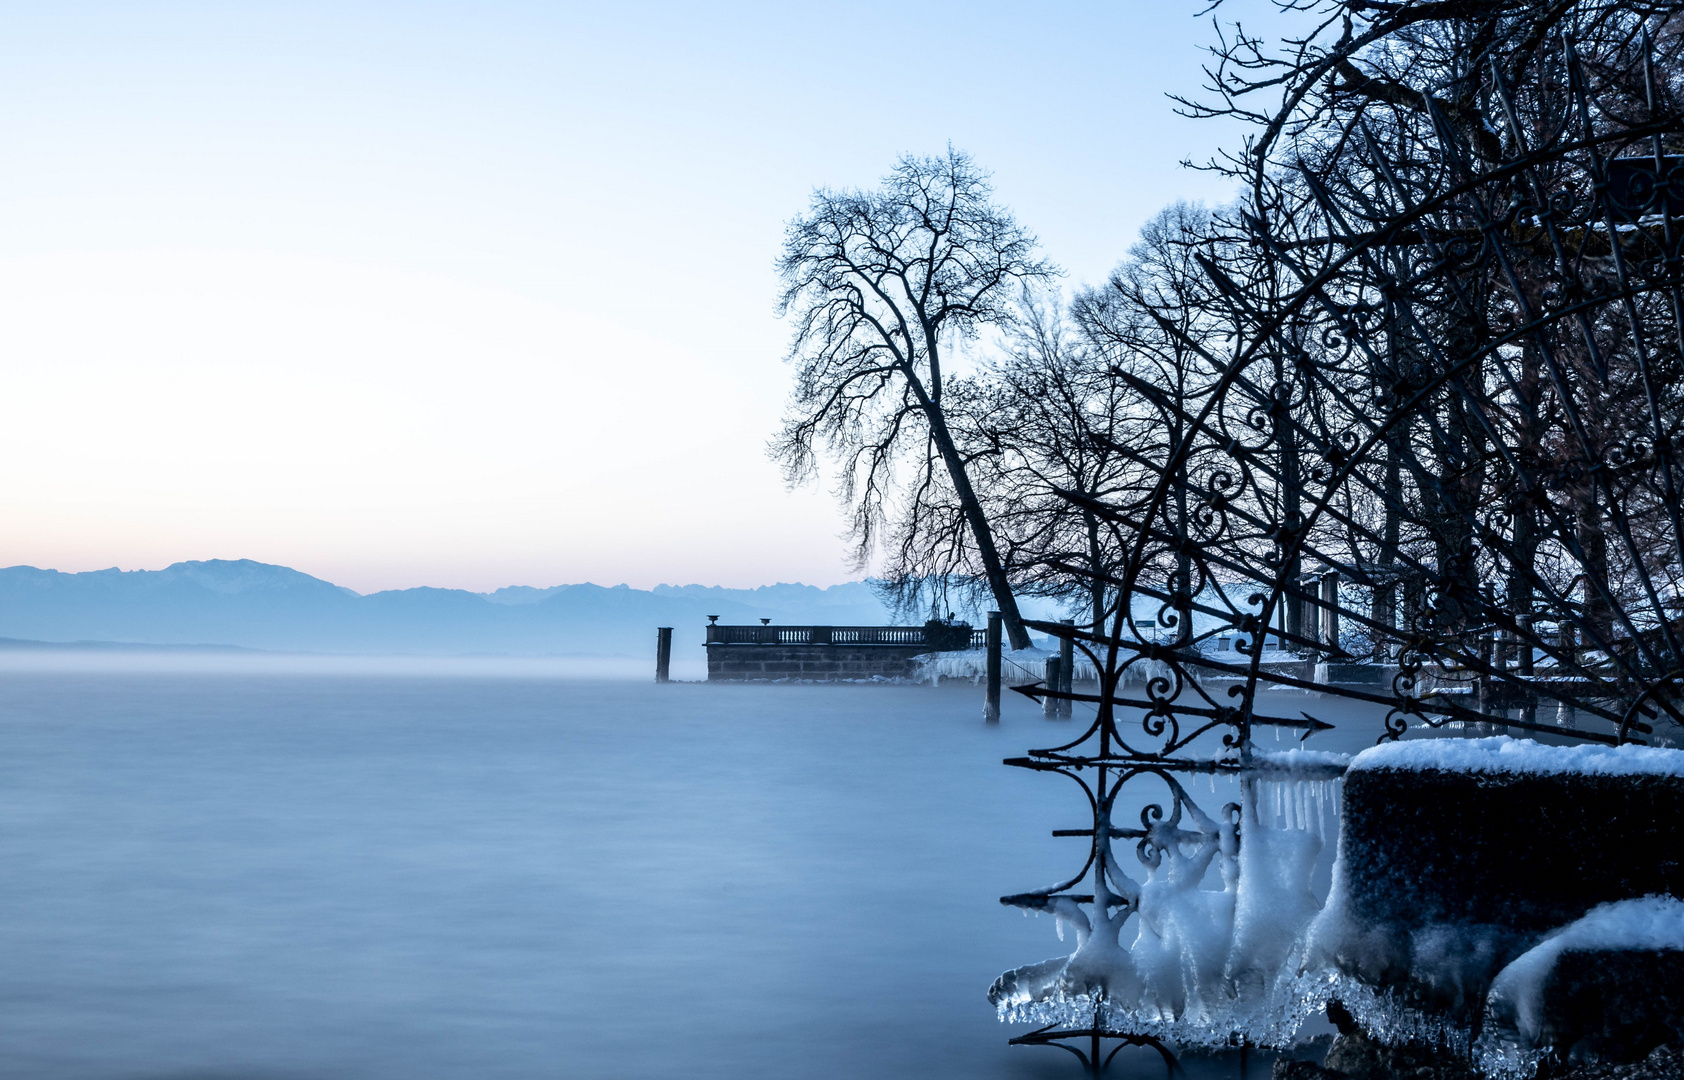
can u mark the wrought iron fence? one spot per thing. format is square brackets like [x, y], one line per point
[1439, 441]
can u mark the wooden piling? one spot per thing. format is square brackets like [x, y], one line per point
[1054, 681]
[991, 705]
[663, 653]
[1066, 666]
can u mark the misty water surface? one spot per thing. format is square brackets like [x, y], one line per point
[318, 874]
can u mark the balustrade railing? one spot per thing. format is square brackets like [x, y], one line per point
[938, 638]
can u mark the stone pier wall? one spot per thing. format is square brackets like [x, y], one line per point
[819, 663]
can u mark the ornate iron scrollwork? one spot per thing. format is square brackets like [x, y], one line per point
[1434, 465]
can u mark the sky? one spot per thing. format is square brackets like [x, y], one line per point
[481, 294]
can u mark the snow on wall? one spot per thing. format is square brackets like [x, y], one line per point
[1502, 754]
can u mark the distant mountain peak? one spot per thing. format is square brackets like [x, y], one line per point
[520, 595]
[231, 576]
[259, 605]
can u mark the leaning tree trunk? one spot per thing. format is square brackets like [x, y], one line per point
[1096, 564]
[971, 507]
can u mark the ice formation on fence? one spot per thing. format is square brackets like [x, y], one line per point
[1512, 1042]
[1204, 962]
[1447, 956]
[1224, 938]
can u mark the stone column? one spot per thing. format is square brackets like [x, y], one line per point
[1330, 609]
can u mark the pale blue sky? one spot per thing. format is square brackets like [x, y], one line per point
[481, 294]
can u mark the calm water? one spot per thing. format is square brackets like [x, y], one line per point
[301, 874]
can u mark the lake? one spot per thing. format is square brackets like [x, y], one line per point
[425, 870]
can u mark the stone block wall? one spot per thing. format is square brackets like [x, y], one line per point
[818, 663]
[1456, 856]
[1528, 851]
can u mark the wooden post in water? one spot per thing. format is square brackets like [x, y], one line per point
[1523, 646]
[1066, 666]
[1049, 706]
[991, 705]
[663, 652]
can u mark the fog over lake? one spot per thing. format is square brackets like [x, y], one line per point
[310, 873]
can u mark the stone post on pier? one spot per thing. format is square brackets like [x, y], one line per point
[1330, 610]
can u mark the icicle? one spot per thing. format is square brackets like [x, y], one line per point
[1202, 962]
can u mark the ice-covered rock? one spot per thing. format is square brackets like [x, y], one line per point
[1610, 984]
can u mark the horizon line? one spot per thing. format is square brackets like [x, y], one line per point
[439, 588]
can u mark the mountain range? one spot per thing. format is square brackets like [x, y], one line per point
[261, 606]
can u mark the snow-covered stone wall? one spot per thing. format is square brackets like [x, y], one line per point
[1457, 858]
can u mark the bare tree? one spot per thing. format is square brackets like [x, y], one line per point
[1153, 322]
[1044, 419]
[880, 286]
